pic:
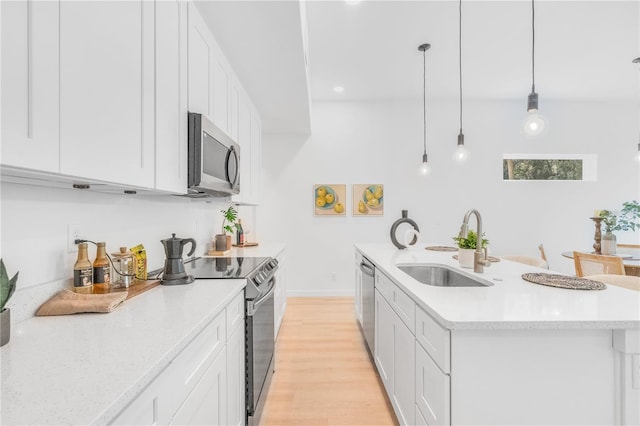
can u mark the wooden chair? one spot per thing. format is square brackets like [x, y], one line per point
[530, 260]
[596, 264]
[626, 281]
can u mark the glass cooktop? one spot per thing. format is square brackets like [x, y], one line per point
[223, 267]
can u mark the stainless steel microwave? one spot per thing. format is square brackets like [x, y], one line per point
[213, 160]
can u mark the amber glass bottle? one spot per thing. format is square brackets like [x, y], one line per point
[82, 271]
[101, 271]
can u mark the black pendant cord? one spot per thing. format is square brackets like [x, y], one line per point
[460, 57]
[533, 47]
[424, 99]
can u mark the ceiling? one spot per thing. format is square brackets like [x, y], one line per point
[584, 50]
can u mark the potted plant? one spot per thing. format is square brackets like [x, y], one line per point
[466, 248]
[627, 219]
[229, 223]
[7, 287]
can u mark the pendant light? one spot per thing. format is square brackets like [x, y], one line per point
[637, 61]
[534, 123]
[425, 169]
[461, 154]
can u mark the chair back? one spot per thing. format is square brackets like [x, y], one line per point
[596, 264]
[527, 260]
[625, 281]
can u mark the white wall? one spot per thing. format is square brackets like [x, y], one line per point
[382, 143]
[34, 232]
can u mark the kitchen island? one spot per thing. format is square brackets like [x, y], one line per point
[88, 368]
[509, 353]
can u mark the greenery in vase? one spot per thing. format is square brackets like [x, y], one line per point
[229, 222]
[470, 241]
[7, 286]
[627, 219]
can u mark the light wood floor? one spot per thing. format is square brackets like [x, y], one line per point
[323, 372]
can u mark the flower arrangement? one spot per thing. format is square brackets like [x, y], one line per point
[626, 219]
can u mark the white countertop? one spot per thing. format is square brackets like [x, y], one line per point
[510, 303]
[85, 368]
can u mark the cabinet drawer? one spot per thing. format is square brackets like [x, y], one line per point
[402, 304]
[432, 391]
[435, 339]
[189, 366]
[235, 313]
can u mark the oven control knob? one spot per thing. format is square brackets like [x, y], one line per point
[258, 279]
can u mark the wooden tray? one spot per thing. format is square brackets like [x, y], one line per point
[138, 288]
[245, 245]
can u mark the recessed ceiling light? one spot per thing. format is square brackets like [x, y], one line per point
[338, 89]
[352, 1]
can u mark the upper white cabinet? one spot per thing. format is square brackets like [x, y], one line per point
[171, 96]
[107, 91]
[30, 90]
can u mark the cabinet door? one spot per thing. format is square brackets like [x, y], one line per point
[30, 95]
[200, 61]
[106, 96]
[244, 140]
[384, 341]
[256, 156]
[432, 390]
[236, 408]
[207, 403]
[404, 369]
[171, 96]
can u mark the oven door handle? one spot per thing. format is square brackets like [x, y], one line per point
[252, 306]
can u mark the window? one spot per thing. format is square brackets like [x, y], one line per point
[554, 167]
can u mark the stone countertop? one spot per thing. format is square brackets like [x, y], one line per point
[511, 302]
[85, 368]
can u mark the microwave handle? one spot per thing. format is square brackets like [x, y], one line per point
[233, 152]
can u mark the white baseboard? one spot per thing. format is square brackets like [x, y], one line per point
[320, 293]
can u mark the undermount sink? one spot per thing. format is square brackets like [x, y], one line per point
[441, 276]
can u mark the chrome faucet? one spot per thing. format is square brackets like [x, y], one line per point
[480, 255]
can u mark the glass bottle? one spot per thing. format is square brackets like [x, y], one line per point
[101, 271]
[239, 234]
[82, 271]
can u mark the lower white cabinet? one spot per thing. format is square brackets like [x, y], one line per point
[395, 358]
[205, 382]
[432, 391]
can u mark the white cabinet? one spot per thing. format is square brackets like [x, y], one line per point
[280, 294]
[395, 358]
[204, 384]
[432, 391]
[30, 90]
[171, 96]
[209, 73]
[107, 91]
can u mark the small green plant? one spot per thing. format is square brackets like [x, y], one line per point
[470, 241]
[627, 219]
[7, 286]
[229, 222]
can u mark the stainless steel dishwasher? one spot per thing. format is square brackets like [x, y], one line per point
[368, 305]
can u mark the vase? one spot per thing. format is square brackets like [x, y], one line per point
[5, 326]
[608, 243]
[222, 242]
[466, 257]
[394, 229]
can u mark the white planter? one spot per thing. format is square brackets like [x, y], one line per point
[465, 257]
[608, 244]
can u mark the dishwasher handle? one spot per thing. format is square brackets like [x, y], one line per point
[367, 268]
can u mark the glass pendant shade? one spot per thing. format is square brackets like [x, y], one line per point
[425, 169]
[461, 154]
[534, 124]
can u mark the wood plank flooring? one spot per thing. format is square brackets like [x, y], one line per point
[323, 372]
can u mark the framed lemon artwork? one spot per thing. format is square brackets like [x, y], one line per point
[368, 199]
[330, 199]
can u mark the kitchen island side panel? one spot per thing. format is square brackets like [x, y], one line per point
[534, 377]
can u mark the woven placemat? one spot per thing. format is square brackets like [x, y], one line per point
[563, 281]
[441, 248]
[489, 258]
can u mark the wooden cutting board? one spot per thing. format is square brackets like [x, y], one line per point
[138, 288]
